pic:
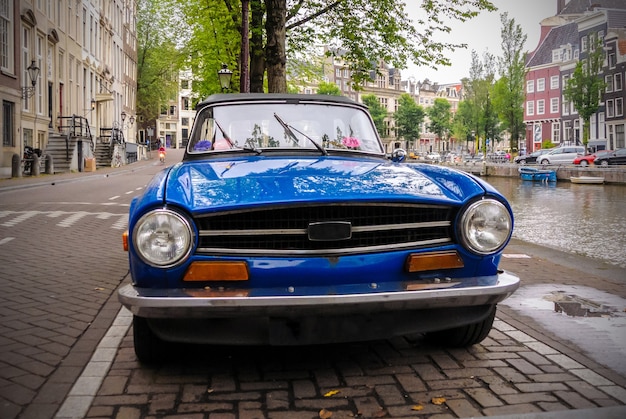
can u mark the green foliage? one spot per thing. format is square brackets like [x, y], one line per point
[378, 112]
[326, 88]
[409, 117]
[584, 88]
[440, 118]
[508, 92]
[158, 59]
[361, 31]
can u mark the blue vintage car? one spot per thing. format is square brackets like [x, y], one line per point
[285, 224]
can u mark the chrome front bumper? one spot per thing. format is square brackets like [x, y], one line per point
[203, 303]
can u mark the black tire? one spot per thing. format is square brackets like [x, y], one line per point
[545, 162]
[148, 347]
[464, 336]
[604, 163]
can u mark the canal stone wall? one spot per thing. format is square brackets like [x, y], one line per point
[563, 172]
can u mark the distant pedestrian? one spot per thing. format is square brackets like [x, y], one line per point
[508, 156]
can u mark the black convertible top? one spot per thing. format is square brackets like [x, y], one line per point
[275, 97]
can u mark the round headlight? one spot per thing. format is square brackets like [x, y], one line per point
[486, 226]
[162, 238]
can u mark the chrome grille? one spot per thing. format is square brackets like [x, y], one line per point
[283, 231]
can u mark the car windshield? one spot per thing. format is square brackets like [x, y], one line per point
[263, 126]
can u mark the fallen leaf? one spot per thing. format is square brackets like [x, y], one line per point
[438, 400]
[417, 407]
[325, 414]
[331, 393]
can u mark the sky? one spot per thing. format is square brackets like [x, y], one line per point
[481, 34]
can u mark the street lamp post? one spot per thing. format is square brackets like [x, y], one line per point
[224, 75]
[33, 74]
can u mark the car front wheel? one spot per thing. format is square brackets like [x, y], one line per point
[604, 163]
[545, 162]
[523, 161]
[464, 336]
[148, 347]
[584, 163]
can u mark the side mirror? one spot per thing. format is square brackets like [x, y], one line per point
[398, 155]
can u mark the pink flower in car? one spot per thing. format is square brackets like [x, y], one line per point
[351, 142]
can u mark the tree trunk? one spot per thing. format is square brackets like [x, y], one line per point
[275, 47]
[257, 53]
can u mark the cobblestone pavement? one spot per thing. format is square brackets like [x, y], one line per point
[522, 369]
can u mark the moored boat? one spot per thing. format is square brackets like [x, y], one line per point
[535, 174]
[587, 179]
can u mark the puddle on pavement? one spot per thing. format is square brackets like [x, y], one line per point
[593, 320]
[576, 306]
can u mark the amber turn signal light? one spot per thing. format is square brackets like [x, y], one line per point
[125, 240]
[431, 261]
[217, 271]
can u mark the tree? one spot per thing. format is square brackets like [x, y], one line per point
[477, 90]
[409, 117]
[378, 112]
[363, 31]
[326, 88]
[508, 92]
[462, 122]
[440, 118]
[158, 59]
[584, 88]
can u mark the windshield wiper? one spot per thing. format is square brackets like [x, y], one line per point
[226, 137]
[290, 130]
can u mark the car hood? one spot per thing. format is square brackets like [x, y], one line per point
[209, 185]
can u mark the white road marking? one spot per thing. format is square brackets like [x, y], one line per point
[129, 192]
[22, 217]
[72, 219]
[6, 240]
[114, 197]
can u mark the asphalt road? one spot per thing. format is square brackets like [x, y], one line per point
[66, 344]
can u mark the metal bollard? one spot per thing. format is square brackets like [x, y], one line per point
[34, 168]
[16, 166]
[49, 165]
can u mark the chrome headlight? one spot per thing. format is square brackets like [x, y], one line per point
[163, 238]
[486, 226]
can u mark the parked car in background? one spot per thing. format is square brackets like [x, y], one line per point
[284, 224]
[561, 155]
[532, 157]
[434, 157]
[588, 159]
[614, 157]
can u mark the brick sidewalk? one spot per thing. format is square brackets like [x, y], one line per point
[519, 369]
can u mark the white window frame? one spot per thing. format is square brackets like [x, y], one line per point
[610, 108]
[554, 82]
[619, 106]
[541, 107]
[530, 108]
[583, 43]
[608, 81]
[530, 86]
[541, 84]
[617, 82]
[7, 53]
[554, 105]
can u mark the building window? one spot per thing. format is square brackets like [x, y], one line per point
[556, 132]
[608, 80]
[612, 60]
[184, 122]
[530, 86]
[619, 106]
[530, 107]
[610, 108]
[566, 106]
[619, 136]
[185, 103]
[6, 35]
[184, 84]
[583, 43]
[541, 85]
[172, 110]
[7, 124]
[554, 82]
[541, 107]
[556, 55]
[554, 105]
[617, 85]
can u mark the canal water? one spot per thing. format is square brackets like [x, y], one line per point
[589, 220]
